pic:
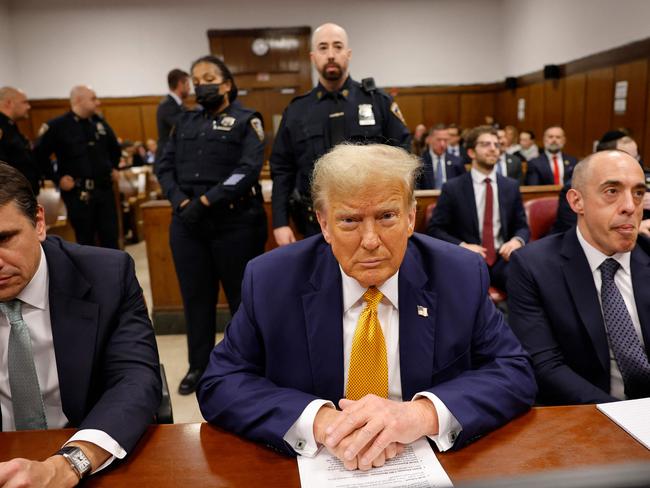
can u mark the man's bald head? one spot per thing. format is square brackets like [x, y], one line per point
[83, 101]
[13, 103]
[328, 29]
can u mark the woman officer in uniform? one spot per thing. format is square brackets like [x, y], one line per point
[209, 172]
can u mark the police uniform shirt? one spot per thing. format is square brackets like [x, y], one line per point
[16, 151]
[85, 149]
[310, 126]
[218, 156]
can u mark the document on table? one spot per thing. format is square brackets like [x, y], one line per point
[416, 467]
[632, 416]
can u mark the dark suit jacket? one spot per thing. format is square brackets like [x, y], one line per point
[167, 115]
[539, 170]
[463, 156]
[106, 354]
[513, 167]
[284, 346]
[555, 311]
[453, 167]
[455, 218]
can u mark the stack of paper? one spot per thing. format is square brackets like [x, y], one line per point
[633, 417]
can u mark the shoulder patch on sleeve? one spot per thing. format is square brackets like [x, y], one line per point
[256, 124]
[397, 112]
[44, 128]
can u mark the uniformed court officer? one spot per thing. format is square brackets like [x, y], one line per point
[209, 171]
[338, 109]
[15, 149]
[87, 155]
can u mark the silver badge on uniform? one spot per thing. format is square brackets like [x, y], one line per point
[100, 129]
[366, 115]
[226, 123]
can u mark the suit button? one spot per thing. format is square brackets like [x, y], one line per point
[196, 175]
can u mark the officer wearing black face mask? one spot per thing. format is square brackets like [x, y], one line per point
[209, 171]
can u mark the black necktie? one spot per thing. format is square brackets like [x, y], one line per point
[632, 360]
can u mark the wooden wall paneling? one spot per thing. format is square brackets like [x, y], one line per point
[525, 123]
[535, 108]
[506, 108]
[412, 108]
[474, 107]
[125, 120]
[645, 150]
[39, 116]
[149, 124]
[598, 106]
[553, 103]
[634, 118]
[441, 108]
[574, 114]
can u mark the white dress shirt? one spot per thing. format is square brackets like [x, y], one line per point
[478, 182]
[560, 164]
[455, 150]
[435, 161]
[36, 314]
[623, 280]
[301, 434]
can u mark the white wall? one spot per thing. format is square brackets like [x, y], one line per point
[7, 66]
[539, 32]
[126, 48]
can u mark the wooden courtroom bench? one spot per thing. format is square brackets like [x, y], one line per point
[167, 306]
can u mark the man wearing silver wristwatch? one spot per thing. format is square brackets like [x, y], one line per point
[76, 345]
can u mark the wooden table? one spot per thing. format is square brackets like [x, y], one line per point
[199, 455]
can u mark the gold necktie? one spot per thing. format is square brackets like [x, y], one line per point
[368, 363]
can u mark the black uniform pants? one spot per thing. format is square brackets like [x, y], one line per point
[94, 220]
[215, 251]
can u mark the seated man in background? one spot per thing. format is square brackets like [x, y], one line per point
[552, 167]
[438, 165]
[508, 164]
[76, 345]
[579, 301]
[366, 315]
[455, 145]
[482, 210]
[529, 149]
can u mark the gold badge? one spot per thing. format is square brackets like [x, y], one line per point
[397, 112]
[256, 124]
[44, 128]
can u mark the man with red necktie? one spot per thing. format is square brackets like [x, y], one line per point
[482, 210]
[552, 167]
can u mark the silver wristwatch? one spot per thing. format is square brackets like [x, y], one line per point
[77, 459]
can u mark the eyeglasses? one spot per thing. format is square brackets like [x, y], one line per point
[488, 144]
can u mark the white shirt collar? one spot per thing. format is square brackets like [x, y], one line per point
[176, 98]
[478, 177]
[36, 291]
[353, 291]
[435, 157]
[595, 257]
[549, 155]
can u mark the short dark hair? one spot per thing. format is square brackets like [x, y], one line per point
[436, 128]
[476, 132]
[454, 126]
[225, 73]
[14, 187]
[529, 132]
[175, 76]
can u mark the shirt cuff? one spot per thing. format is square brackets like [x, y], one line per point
[100, 439]
[300, 435]
[448, 427]
[523, 243]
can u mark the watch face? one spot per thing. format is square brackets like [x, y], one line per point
[80, 460]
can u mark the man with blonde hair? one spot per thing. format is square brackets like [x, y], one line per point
[365, 316]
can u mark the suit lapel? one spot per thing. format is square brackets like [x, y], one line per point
[581, 286]
[74, 329]
[468, 196]
[640, 268]
[416, 326]
[323, 309]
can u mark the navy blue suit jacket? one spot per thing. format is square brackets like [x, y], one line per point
[453, 167]
[284, 346]
[555, 311]
[106, 354]
[539, 170]
[455, 218]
